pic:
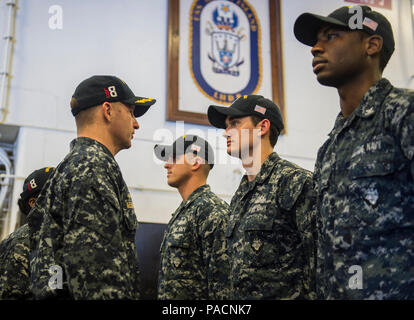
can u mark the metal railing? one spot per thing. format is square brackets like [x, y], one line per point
[5, 71]
[6, 187]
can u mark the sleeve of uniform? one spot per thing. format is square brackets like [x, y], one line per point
[305, 209]
[14, 268]
[407, 137]
[214, 250]
[301, 202]
[316, 172]
[91, 252]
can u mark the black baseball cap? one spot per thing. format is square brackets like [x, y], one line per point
[98, 89]
[248, 105]
[307, 26]
[32, 186]
[186, 144]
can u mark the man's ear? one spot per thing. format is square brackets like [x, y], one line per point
[32, 202]
[107, 110]
[197, 163]
[374, 44]
[264, 127]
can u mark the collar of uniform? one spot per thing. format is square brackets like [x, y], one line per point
[264, 172]
[88, 142]
[373, 99]
[195, 194]
[267, 167]
[339, 122]
[183, 205]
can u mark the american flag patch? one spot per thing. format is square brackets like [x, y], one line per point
[195, 148]
[260, 109]
[370, 24]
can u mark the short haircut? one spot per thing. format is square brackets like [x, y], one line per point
[383, 55]
[273, 134]
[84, 117]
[205, 166]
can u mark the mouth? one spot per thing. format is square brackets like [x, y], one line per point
[317, 64]
[228, 143]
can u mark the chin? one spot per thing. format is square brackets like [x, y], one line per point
[330, 81]
[233, 153]
[171, 183]
[127, 145]
[325, 81]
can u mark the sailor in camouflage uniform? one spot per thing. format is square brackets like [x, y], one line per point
[15, 249]
[364, 171]
[194, 263]
[271, 229]
[83, 224]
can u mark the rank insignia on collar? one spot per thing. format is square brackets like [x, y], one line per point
[257, 244]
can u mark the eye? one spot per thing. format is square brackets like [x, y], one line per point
[233, 123]
[131, 110]
[332, 35]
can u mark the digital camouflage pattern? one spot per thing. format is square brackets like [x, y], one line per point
[14, 265]
[194, 263]
[271, 234]
[84, 222]
[364, 179]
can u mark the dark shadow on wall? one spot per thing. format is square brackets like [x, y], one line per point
[148, 238]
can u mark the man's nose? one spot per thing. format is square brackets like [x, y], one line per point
[226, 133]
[135, 124]
[317, 48]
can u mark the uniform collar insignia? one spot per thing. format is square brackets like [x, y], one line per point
[196, 193]
[267, 167]
[374, 98]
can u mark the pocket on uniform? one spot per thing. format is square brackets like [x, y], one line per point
[260, 246]
[368, 173]
[179, 247]
[179, 242]
[376, 158]
[258, 222]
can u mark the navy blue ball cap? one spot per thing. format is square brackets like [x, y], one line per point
[98, 89]
[307, 25]
[186, 144]
[35, 182]
[32, 186]
[248, 105]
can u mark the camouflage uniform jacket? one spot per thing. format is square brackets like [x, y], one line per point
[194, 263]
[271, 234]
[14, 265]
[364, 179]
[84, 222]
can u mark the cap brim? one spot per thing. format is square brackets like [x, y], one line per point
[162, 152]
[217, 115]
[141, 105]
[307, 26]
